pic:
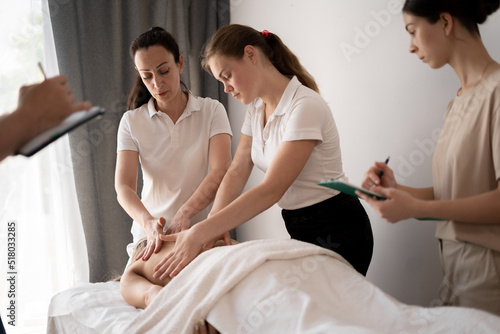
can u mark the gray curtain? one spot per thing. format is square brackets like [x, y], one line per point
[92, 39]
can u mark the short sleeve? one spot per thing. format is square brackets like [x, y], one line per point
[307, 119]
[246, 128]
[220, 121]
[125, 141]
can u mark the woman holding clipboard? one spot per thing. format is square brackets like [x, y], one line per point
[465, 195]
[289, 133]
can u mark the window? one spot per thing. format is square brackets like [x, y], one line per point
[37, 194]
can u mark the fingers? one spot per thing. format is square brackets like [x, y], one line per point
[60, 79]
[227, 239]
[140, 255]
[168, 237]
[170, 266]
[158, 243]
[158, 269]
[157, 231]
[371, 178]
[148, 251]
[373, 201]
[81, 106]
[175, 268]
[387, 209]
[369, 199]
[374, 174]
[166, 267]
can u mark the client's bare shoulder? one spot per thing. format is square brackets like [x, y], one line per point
[146, 268]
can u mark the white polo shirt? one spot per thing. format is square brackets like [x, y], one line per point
[173, 157]
[302, 114]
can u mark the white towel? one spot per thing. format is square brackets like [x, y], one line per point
[190, 296]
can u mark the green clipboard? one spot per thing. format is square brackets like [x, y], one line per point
[349, 188]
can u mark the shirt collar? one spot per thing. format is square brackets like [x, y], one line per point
[192, 105]
[286, 98]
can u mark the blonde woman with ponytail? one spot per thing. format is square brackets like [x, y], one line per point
[289, 133]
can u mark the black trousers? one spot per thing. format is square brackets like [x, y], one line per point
[2, 329]
[340, 224]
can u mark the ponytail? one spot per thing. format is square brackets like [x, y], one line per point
[232, 39]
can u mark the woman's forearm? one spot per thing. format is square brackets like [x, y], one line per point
[483, 209]
[231, 187]
[13, 133]
[242, 209]
[236, 177]
[426, 194]
[219, 162]
[287, 165]
[132, 204]
[204, 194]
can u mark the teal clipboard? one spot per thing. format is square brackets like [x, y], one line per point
[71, 122]
[349, 188]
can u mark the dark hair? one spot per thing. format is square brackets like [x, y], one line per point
[232, 39]
[154, 36]
[469, 12]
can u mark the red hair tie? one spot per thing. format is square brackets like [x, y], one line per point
[266, 34]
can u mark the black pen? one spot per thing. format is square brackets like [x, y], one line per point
[381, 172]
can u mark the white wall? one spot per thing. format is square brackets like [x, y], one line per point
[385, 102]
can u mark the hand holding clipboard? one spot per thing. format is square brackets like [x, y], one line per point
[57, 101]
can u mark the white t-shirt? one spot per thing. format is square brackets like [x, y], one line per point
[173, 157]
[302, 114]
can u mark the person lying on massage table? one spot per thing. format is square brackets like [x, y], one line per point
[138, 286]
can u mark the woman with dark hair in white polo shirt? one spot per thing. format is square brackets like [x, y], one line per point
[290, 134]
[182, 142]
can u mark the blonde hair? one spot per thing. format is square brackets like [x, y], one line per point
[138, 248]
[232, 39]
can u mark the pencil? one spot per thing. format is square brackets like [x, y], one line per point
[41, 69]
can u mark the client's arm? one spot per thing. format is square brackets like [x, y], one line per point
[136, 289]
[138, 286]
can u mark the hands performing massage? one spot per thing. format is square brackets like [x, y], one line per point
[283, 103]
[182, 141]
[274, 286]
[138, 286]
[245, 61]
[289, 121]
[261, 71]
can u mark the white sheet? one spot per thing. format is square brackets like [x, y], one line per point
[266, 286]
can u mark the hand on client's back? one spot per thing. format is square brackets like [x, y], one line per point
[187, 247]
